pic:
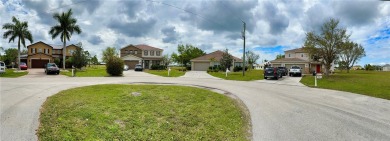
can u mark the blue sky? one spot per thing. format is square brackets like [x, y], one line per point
[272, 26]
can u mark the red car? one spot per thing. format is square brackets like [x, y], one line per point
[23, 66]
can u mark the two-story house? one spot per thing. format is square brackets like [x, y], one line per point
[41, 53]
[141, 54]
[298, 57]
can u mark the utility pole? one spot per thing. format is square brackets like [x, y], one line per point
[243, 37]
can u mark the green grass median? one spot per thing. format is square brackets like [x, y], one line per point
[141, 112]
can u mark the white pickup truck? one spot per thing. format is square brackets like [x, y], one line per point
[295, 70]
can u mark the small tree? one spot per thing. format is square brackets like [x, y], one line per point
[11, 55]
[279, 56]
[94, 60]
[350, 53]
[57, 61]
[186, 53]
[109, 53]
[251, 58]
[226, 60]
[79, 58]
[166, 60]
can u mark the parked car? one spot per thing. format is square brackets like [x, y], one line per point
[125, 67]
[272, 72]
[283, 70]
[51, 68]
[138, 67]
[23, 66]
[2, 67]
[295, 70]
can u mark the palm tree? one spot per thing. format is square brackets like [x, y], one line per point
[18, 30]
[66, 26]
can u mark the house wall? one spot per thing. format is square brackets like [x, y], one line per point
[70, 49]
[300, 55]
[131, 50]
[386, 68]
[152, 53]
[39, 47]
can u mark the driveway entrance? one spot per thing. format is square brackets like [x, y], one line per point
[199, 74]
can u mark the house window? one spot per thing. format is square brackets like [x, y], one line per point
[39, 50]
[146, 53]
[131, 52]
[151, 53]
[126, 51]
[301, 55]
[157, 53]
[289, 55]
[135, 52]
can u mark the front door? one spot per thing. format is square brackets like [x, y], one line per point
[318, 69]
[146, 64]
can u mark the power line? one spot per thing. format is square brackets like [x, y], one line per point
[68, 5]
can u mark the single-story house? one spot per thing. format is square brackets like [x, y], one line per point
[386, 67]
[203, 63]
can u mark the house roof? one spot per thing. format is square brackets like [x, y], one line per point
[296, 50]
[143, 47]
[50, 45]
[387, 65]
[288, 60]
[217, 55]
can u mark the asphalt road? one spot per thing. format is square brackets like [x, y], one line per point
[278, 111]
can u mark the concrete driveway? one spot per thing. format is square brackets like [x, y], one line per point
[277, 113]
[199, 74]
[39, 73]
[132, 73]
[285, 80]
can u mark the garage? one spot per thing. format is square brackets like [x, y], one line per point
[131, 63]
[38, 63]
[288, 66]
[201, 66]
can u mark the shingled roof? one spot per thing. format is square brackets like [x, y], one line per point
[217, 55]
[288, 60]
[296, 50]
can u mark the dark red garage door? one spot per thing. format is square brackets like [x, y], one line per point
[36, 63]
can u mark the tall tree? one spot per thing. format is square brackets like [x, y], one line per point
[109, 53]
[19, 30]
[186, 53]
[94, 60]
[226, 60]
[328, 43]
[350, 53]
[279, 56]
[65, 27]
[251, 58]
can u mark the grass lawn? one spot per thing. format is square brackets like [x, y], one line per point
[371, 83]
[174, 72]
[10, 73]
[249, 75]
[93, 71]
[141, 112]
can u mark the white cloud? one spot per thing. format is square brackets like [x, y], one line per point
[279, 23]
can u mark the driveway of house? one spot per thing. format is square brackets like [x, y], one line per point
[39, 73]
[285, 80]
[277, 113]
[132, 73]
[199, 74]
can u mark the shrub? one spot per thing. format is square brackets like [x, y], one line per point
[158, 67]
[114, 66]
[239, 68]
[57, 61]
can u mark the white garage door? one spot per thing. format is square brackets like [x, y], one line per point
[201, 66]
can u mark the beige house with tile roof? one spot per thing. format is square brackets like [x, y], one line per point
[298, 57]
[141, 54]
[203, 63]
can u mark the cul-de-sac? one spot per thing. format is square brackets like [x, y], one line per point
[210, 70]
